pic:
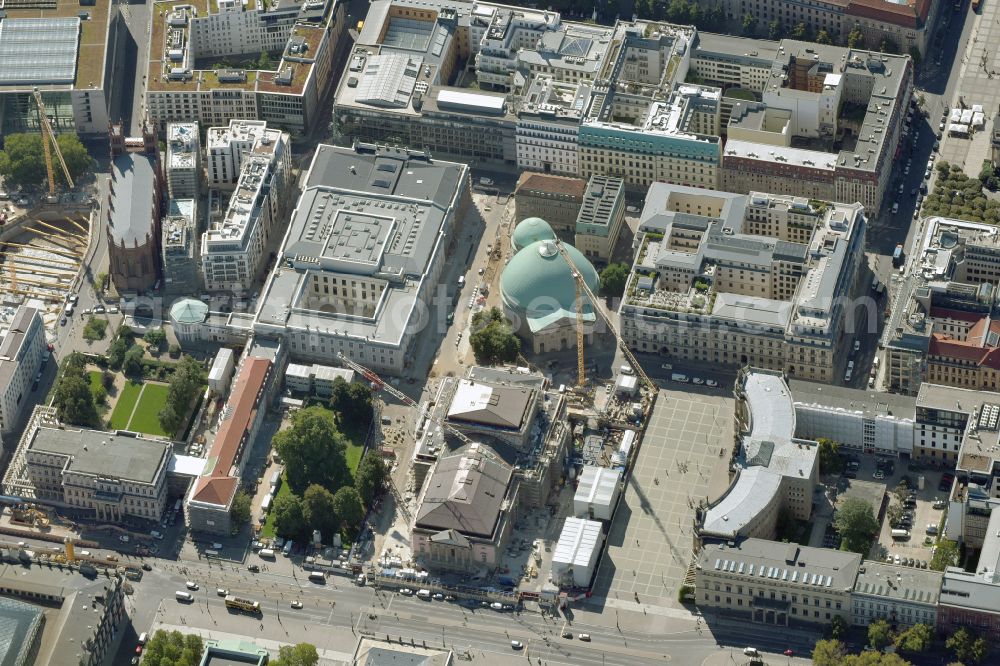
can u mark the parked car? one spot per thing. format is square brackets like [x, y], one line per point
[296, 604]
[516, 645]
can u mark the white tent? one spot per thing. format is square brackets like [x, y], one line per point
[575, 556]
[959, 129]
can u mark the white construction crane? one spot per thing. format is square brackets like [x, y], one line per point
[379, 385]
[599, 309]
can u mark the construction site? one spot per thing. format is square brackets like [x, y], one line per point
[43, 245]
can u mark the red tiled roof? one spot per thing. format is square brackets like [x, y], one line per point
[949, 348]
[557, 184]
[242, 408]
[958, 315]
[905, 15]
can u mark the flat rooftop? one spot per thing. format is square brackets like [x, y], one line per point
[182, 145]
[93, 452]
[899, 583]
[50, 45]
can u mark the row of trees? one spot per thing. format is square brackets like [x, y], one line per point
[22, 161]
[186, 383]
[967, 648]
[172, 648]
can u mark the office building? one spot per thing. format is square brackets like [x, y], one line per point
[775, 583]
[778, 472]
[736, 280]
[132, 217]
[970, 600]
[181, 269]
[258, 160]
[943, 326]
[902, 596]
[183, 160]
[210, 498]
[365, 246]
[22, 352]
[906, 24]
[548, 125]
[466, 511]
[557, 199]
[287, 93]
[315, 379]
[58, 618]
[72, 52]
[114, 477]
[600, 220]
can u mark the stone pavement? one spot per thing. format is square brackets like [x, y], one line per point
[650, 541]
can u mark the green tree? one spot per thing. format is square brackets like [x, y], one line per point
[372, 477]
[95, 329]
[679, 12]
[492, 340]
[155, 337]
[348, 508]
[879, 634]
[302, 654]
[775, 30]
[22, 162]
[830, 461]
[800, 31]
[74, 401]
[132, 365]
[749, 24]
[613, 279]
[289, 518]
[856, 39]
[313, 450]
[823, 37]
[829, 653]
[240, 511]
[968, 649]
[265, 62]
[186, 382]
[839, 627]
[945, 556]
[318, 510]
[353, 402]
[173, 648]
[856, 523]
[917, 638]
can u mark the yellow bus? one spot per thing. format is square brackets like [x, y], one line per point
[245, 605]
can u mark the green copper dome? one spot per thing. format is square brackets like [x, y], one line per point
[531, 230]
[188, 311]
[538, 284]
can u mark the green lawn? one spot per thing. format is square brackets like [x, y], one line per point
[95, 379]
[123, 408]
[146, 418]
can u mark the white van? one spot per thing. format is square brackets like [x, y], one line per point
[424, 594]
[143, 637]
[461, 281]
[317, 577]
[287, 550]
[678, 377]
[626, 369]
[183, 596]
[900, 534]
[267, 553]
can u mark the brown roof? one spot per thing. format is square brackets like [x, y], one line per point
[948, 348]
[557, 184]
[911, 14]
[242, 408]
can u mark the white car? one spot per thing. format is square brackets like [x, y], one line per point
[516, 645]
[711, 383]
[221, 591]
[156, 535]
[123, 538]
[406, 592]
[296, 604]
[698, 381]
[191, 585]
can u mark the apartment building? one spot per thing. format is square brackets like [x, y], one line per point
[738, 280]
[600, 220]
[22, 353]
[776, 584]
[330, 293]
[907, 24]
[307, 33]
[556, 199]
[943, 326]
[233, 247]
[183, 164]
[780, 470]
[902, 596]
[114, 477]
[969, 600]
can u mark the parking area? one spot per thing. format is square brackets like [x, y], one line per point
[679, 464]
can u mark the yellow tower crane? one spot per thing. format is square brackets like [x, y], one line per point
[581, 286]
[48, 144]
